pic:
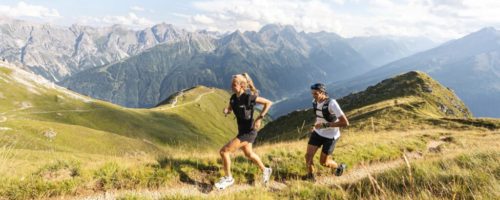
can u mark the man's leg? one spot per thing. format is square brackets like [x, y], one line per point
[327, 161]
[311, 150]
[326, 158]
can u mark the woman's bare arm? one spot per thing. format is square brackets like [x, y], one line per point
[267, 104]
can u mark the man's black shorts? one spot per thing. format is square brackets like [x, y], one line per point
[327, 143]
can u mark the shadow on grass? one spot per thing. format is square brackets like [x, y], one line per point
[240, 161]
[181, 165]
[203, 174]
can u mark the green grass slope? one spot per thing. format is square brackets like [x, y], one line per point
[56, 144]
[405, 102]
[38, 115]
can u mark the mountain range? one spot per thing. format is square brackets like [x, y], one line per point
[381, 50]
[139, 68]
[469, 65]
[56, 52]
[280, 60]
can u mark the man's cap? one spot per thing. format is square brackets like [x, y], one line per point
[318, 86]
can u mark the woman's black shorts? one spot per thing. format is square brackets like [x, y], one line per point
[248, 137]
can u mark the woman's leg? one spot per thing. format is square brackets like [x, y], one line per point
[225, 152]
[247, 149]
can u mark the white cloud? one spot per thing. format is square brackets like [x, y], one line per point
[251, 25]
[202, 19]
[180, 15]
[229, 15]
[340, 2]
[438, 19]
[381, 3]
[131, 20]
[482, 10]
[137, 8]
[23, 9]
[451, 3]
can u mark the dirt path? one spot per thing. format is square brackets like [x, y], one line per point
[188, 103]
[181, 190]
[188, 190]
[175, 100]
[204, 190]
[363, 171]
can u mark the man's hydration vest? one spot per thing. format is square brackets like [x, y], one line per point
[329, 117]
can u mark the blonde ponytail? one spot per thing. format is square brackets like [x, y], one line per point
[250, 84]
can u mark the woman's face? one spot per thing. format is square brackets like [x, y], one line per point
[236, 85]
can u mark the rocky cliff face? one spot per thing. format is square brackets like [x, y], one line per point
[58, 52]
[281, 61]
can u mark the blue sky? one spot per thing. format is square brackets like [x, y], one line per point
[436, 19]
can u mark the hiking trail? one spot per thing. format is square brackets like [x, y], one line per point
[207, 190]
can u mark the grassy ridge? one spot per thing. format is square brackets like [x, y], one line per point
[463, 176]
[56, 144]
[451, 165]
[468, 175]
[438, 101]
[199, 125]
[406, 102]
[41, 123]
